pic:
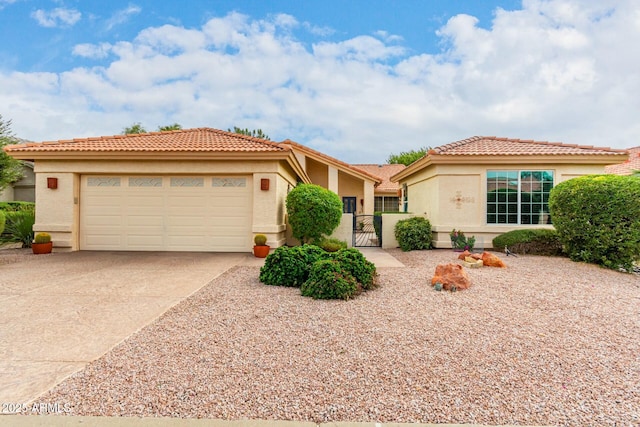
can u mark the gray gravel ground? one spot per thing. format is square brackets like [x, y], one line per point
[544, 341]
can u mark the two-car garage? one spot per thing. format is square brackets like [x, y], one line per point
[166, 213]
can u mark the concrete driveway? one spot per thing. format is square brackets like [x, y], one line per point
[60, 311]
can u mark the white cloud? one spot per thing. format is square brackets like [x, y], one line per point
[560, 70]
[122, 16]
[58, 17]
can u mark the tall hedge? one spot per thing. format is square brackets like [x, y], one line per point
[313, 212]
[598, 219]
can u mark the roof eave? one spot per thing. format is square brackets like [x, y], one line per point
[149, 155]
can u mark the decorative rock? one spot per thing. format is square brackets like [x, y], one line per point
[471, 262]
[451, 276]
[491, 260]
[466, 254]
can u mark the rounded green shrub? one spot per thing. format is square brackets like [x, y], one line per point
[329, 279]
[331, 244]
[413, 233]
[597, 218]
[534, 241]
[313, 212]
[363, 270]
[289, 266]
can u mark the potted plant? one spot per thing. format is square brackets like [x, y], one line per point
[42, 244]
[261, 249]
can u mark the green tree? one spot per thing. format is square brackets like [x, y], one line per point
[407, 157]
[313, 212]
[166, 128]
[134, 128]
[256, 133]
[10, 168]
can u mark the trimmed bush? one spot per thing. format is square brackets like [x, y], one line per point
[313, 212]
[329, 279]
[331, 244]
[534, 241]
[597, 218]
[290, 266]
[363, 270]
[19, 226]
[17, 206]
[413, 233]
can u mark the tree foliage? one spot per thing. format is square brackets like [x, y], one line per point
[313, 212]
[133, 129]
[256, 133]
[407, 157]
[10, 168]
[598, 219]
[175, 126]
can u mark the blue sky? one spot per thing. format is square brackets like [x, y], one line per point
[355, 79]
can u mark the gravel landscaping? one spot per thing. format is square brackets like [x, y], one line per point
[544, 341]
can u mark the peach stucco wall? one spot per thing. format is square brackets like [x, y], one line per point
[454, 196]
[57, 210]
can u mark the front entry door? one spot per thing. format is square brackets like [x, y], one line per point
[348, 205]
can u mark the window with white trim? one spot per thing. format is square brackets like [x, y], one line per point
[518, 197]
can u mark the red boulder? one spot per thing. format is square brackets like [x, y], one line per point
[451, 275]
[491, 260]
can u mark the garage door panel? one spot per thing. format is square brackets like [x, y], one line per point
[175, 213]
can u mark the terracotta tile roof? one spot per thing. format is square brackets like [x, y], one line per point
[494, 146]
[627, 167]
[329, 159]
[185, 140]
[384, 172]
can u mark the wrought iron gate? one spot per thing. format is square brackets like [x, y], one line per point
[367, 231]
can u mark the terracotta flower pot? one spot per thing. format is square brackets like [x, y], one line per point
[42, 248]
[261, 251]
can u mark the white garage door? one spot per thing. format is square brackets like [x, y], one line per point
[166, 213]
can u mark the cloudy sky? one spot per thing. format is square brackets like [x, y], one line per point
[356, 79]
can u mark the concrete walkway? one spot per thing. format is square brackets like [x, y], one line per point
[60, 311]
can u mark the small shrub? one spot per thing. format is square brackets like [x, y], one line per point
[331, 244]
[460, 241]
[363, 270]
[3, 220]
[597, 218]
[19, 226]
[260, 240]
[42, 238]
[328, 279]
[534, 241]
[413, 233]
[289, 266]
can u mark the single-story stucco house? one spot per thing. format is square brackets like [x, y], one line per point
[186, 190]
[487, 186]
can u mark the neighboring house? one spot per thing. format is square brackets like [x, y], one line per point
[23, 190]
[629, 167]
[187, 190]
[355, 186]
[487, 186]
[386, 194]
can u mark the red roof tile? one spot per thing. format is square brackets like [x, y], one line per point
[318, 154]
[494, 146]
[384, 172]
[627, 167]
[186, 140]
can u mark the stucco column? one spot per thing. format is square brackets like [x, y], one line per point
[268, 208]
[333, 179]
[56, 209]
[369, 198]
